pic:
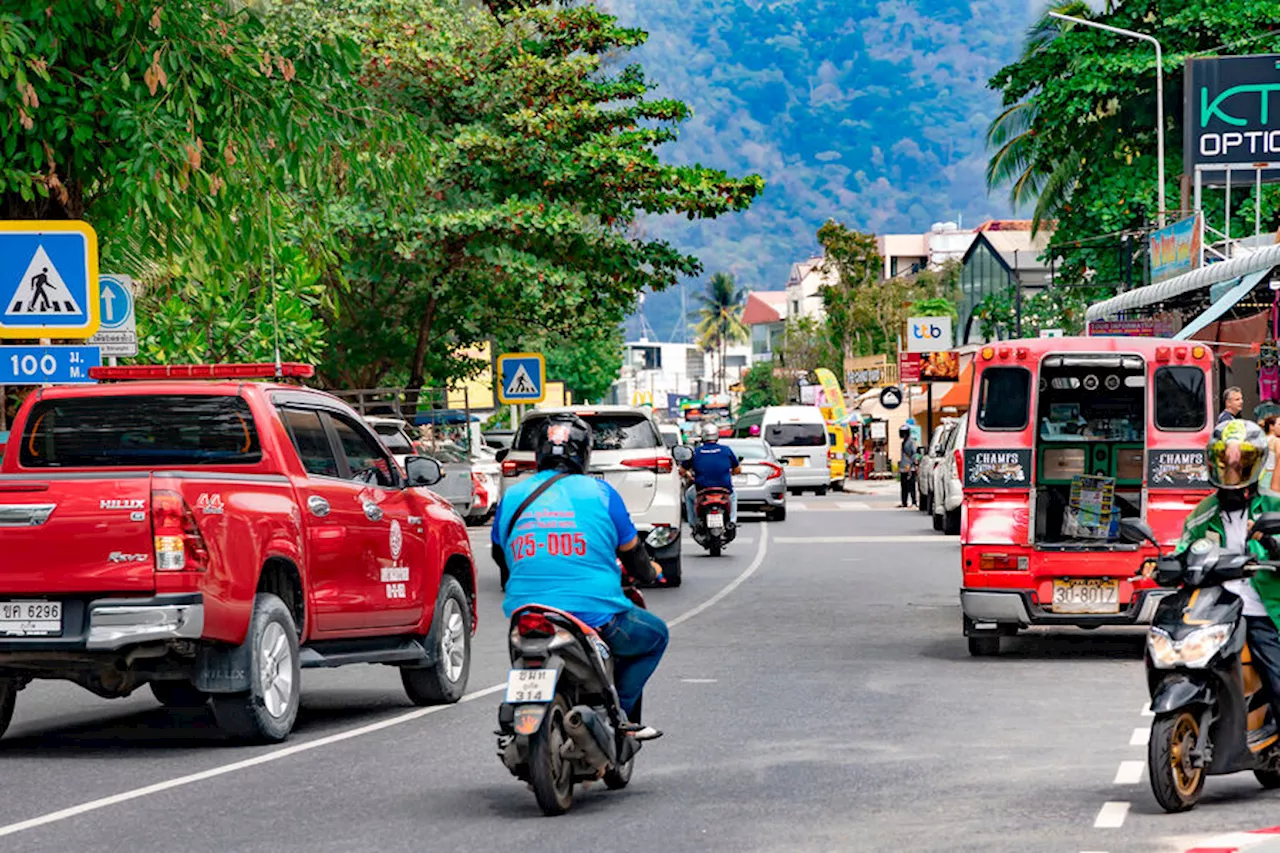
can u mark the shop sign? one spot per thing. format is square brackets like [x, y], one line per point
[1153, 328]
[1227, 115]
[1176, 249]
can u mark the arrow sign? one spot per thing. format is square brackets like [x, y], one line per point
[118, 335]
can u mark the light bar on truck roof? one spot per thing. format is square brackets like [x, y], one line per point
[267, 370]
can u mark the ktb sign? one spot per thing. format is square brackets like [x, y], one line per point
[928, 334]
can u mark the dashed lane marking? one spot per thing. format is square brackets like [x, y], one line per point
[338, 737]
[1140, 737]
[699, 680]
[1111, 815]
[1130, 772]
[1146, 710]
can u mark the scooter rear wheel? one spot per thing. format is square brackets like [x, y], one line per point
[1176, 784]
[1269, 779]
[715, 547]
[550, 773]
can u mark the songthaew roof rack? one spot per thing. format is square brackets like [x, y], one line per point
[266, 370]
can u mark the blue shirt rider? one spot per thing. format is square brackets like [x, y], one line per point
[712, 467]
[563, 551]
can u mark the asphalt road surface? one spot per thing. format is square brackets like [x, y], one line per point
[817, 696]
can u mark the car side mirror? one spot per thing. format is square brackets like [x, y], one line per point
[1268, 524]
[681, 453]
[1137, 531]
[502, 454]
[422, 471]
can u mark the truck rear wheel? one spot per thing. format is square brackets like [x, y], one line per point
[8, 696]
[443, 682]
[267, 711]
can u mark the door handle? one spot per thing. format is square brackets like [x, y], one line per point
[319, 506]
[373, 512]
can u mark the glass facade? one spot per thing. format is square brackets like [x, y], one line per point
[984, 273]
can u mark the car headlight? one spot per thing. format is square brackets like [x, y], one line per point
[661, 536]
[1194, 650]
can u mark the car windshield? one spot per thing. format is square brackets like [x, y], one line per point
[608, 432]
[393, 437]
[749, 450]
[796, 435]
[143, 430]
[446, 453]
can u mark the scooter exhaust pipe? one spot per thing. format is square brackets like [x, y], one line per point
[591, 735]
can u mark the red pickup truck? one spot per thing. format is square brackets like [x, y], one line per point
[212, 538]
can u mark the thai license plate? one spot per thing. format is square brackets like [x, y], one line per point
[739, 479]
[715, 520]
[531, 685]
[599, 475]
[31, 618]
[796, 461]
[1086, 596]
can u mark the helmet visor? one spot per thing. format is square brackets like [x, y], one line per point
[1235, 464]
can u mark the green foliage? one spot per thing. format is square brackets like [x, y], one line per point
[720, 318]
[1056, 307]
[855, 262]
[588, 361]
[761, 387]
[806, 346]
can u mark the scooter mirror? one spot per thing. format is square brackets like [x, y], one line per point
[1267, 524]
[1137, 531]
[682, 454]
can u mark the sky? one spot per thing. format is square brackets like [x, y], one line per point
[871, 113]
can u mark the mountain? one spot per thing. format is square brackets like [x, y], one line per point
[873, 113]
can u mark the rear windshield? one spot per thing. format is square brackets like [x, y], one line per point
[143, 430]
[393, 437]
[1005, 398]
[796, 435]
[749, 449]
[608, 432]
[1180, 398]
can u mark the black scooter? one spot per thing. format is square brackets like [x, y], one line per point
[710, 524]
[1213, 713]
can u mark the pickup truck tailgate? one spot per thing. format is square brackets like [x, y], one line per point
[68, 534]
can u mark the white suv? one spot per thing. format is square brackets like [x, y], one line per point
[627, 452]
[948, 490]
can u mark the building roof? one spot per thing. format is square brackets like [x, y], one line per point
[1018, 249]
[803, 268]
[765, 306]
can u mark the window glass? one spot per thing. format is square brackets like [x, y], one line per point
[1005, 398]
[796, 435]
[143, 430]
[311, 442]
[749, 449]
[364, 457]
[608, 432]
[1180, 398]
[394, 438]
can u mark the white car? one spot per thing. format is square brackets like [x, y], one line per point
[948, 490]
[456, 486]
[627, 452]
[928, 461]
[486, 476]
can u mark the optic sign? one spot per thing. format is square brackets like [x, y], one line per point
[928, 334]
[1232, 113]
[48, 280]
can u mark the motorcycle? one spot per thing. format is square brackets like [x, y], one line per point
[1213, 714]
[561, 722]
[711, 528]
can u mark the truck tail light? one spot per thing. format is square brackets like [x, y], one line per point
[1002, 563]
[179, 545]
[775, 470]
[656, 464]
[479, 490]
[958, 456]
[516, 467]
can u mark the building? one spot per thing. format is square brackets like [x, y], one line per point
[654, 372]
[766, 315]
[908, 254]
[1004, 255]
[804, 289]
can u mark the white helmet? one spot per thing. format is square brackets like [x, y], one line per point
[710, 432]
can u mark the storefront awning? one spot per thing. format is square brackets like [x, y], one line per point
[1224, 304]
[957, 397]
[1259, 261]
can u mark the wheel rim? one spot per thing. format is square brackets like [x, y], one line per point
[275, 665]
[453, 640]
[1182, 740]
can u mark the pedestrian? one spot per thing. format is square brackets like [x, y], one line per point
[907, 466]
[1232, 404]
[1268, 484]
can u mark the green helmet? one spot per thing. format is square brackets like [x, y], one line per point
[1236, 454]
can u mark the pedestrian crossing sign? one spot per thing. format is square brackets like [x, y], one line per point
[48, 280]
[522, 377]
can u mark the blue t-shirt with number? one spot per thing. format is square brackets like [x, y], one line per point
[713, 465]
[562, 550]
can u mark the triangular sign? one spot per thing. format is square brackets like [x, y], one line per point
[521, 385]
[42, 292]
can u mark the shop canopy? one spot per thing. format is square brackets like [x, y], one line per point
[957, 397]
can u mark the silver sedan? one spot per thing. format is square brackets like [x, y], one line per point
[762, 485]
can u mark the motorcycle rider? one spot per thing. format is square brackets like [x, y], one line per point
[712, 467]
[586, 582]
[1236, 456]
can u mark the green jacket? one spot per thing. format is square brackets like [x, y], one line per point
[1205, 521]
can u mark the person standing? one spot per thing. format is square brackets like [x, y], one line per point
[1268, 484]
[907, 466]
[1232, 404]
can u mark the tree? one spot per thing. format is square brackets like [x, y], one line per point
[720, 322]
[806, 347]
[762, 387]
[855, 262]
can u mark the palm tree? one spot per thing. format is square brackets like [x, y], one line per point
[720, 317]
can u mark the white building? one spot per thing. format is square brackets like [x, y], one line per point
[804, 297]
[907, 254]
[655, 372]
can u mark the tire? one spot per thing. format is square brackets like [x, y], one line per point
[838, 486]
[444, 682]
[1176, 785]
[671, 570]
[551, 776]
[986, 646]
[178, 694]
[8, 697]
[821, 491]
[951, 522]
[715, 547]
[266, 712]
[779, 514]
[1269, 779]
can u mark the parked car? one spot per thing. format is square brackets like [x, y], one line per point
[212, 538]
[762, 485]
[929, 460]
[627, 452]
[948, 490]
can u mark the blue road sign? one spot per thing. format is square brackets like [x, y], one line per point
[522, 377]
[117, 303]
[48, 280]
[47, 365]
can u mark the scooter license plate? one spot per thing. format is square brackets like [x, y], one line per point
[531, 685]
[1086, 595]
[715, 521]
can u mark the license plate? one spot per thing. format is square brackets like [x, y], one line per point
[796, 461]
[1086, 596]
[31, 618]
[599, 475]
[531, 685]
[739, 479]
[715, 521]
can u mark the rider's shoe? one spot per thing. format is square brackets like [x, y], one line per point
[645, 733]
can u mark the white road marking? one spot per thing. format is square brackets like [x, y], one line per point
[1130, 772]
[1140, 737]
[1111, 815]
[338, 737]
[1146, 710]
[699, 680]
[854, 540]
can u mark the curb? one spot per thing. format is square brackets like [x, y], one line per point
[1257, 841]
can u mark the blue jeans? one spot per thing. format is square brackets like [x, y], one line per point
[1264, 644]
[637, 640]
[691, 512]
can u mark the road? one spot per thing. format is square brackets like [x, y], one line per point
[817, 696]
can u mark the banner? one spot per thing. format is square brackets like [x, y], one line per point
[869, 371]
[1154, 328]
[1227, 115]
[908, 367]
[831, 391]
[1176, 249]
[942, 366]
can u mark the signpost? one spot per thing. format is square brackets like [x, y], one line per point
[47, 365]
[48, 280]
[118, 334]
[522, 378]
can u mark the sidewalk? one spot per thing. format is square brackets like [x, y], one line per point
[878, 488]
